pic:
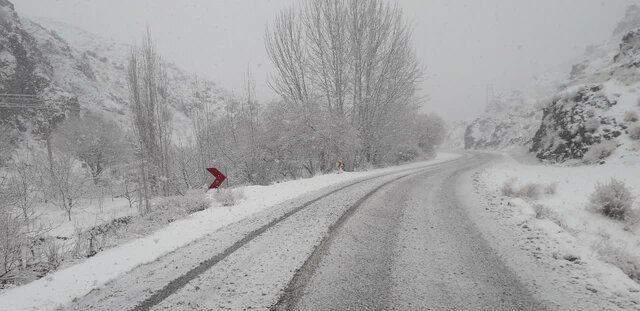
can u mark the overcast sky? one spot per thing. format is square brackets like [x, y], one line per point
[464, 44]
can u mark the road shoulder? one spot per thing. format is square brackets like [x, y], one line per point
[534, 254]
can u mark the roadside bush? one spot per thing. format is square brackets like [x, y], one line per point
[508, 187]
[631, 116]
[634, 132]
[612, 199]
[403, 152]
[529, 190]
[619, 257]
[54, 252]
[191, 202]
[196, 200]
[228, 197]
[599, 151]
[542, 211]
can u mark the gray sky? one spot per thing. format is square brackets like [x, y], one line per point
[464, 44]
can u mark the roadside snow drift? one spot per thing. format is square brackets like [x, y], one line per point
[63, 286]
[610, 247]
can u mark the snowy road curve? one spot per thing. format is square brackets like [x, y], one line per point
[409, 247]
[396, 241]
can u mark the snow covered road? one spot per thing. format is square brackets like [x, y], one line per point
[409, 246]
[244, 264]
[395, 241]
[416, 237]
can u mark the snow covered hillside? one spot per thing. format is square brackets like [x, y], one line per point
[25, 70]
[508, 120]
[512, 117]
[587, 136]
[584, 114]
[595, 116]
[61, 59]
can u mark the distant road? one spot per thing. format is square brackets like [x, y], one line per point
[398, 241]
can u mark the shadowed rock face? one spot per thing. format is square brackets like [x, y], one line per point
[23, 69]
[575, 120]
[629, 49]
[572, 123]
[68, 65]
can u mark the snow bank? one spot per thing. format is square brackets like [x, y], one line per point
[569, 223]
[62, 286]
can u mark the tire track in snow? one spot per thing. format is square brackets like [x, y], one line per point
[294, 290]
[178, 283]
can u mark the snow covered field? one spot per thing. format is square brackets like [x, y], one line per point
[574, 230]
[64, 285]
[86, 215]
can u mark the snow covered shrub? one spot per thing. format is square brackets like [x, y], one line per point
[11, 241]
[619, 257]
[634, 132]
[599, 151]
[508, 187]
[403, 153]
[631, 116]
[191, 202]
[228, 197]
[196, 201]
[612, 199]
[530, 191]
[542, 211]
[54, 252]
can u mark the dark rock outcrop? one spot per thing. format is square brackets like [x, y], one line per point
[572, 123]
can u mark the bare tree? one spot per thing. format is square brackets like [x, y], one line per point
[353, 59]
[93, 140]
[7, 136]
[326, 29]
[151, 117]
[287, 49]
[69, 180]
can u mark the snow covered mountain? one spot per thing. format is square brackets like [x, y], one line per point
[42, 56]
[508, 120]
[512, 117]
[595, 115]
[584, 114]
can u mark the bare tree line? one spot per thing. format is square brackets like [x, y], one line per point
[350, 59]
[151, 118]
[347, 77]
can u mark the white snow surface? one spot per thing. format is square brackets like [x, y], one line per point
[63, 286]
[569, 222]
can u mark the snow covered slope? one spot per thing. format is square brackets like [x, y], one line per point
[44, 56]
[595, 115]
[508, 120]
[584, 114]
